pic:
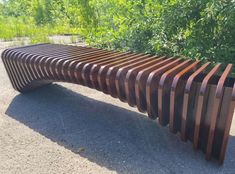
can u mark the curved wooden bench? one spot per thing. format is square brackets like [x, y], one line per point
[197, 100]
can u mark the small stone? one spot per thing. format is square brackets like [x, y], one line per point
[79, 150]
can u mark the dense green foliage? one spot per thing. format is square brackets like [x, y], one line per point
[38, 19]
[201, 29]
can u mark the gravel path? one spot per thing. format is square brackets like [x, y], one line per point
[66, 128]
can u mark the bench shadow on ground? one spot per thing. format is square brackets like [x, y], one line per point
[113, 137]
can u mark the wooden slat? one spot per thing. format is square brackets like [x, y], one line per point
[181, 93]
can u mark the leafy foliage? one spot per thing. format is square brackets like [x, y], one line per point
[37, 19]
[202, 29]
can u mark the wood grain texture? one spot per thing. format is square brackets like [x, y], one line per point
[195, 99]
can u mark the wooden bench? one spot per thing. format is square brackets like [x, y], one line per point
[195, 99]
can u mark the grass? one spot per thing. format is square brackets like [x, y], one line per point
[11, 28]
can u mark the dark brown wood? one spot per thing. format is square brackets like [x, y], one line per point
[164, 91]
[216, 107]
[200, 104]
[188, 92]
[122, 74]
[197, 100]
[176, 102]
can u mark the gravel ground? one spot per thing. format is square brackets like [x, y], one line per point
[66, 128]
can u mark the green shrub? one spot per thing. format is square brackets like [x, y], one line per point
[201, 29]
[35, 19]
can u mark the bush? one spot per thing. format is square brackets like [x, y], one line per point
[36, 19]
[201, 29]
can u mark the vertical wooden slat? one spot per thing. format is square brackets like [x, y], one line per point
[199, 105]
[227, 126]
[164, 91]
[174, 94]
[186, 99]
[216, 108]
